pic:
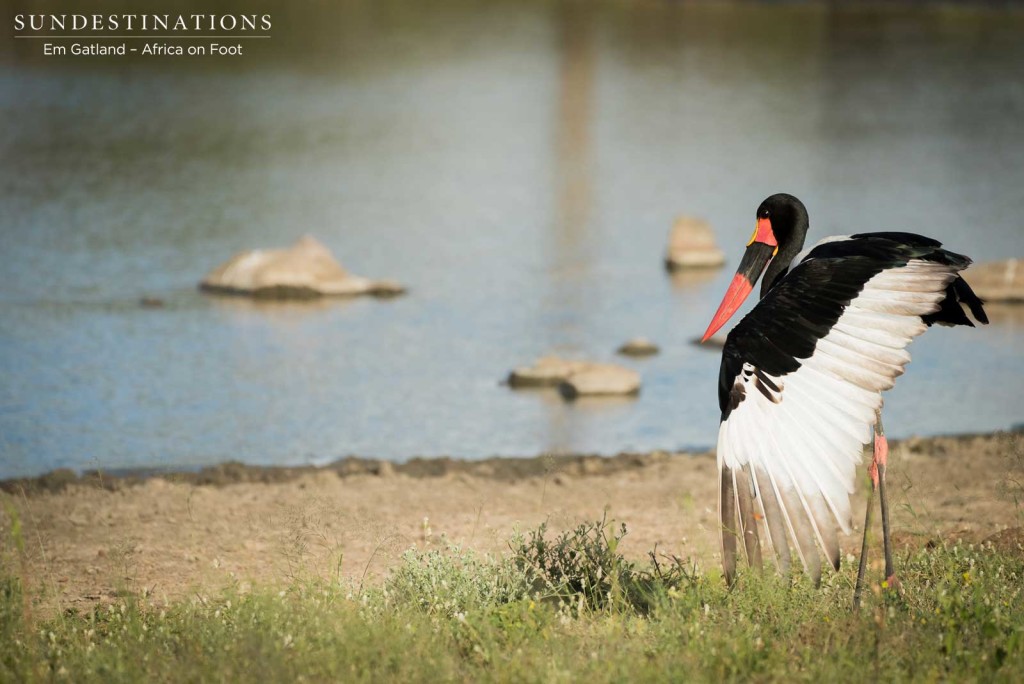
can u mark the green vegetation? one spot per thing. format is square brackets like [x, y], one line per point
[568, 608]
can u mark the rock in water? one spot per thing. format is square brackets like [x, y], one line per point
[691, 244]
[600, 379]
[576, 378]
[715, 343]
[998, 281]
[547, 371]
[304, 270]
[151, 303]
[639, 346]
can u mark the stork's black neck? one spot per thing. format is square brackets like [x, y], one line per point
[779, 266]
[790, 225]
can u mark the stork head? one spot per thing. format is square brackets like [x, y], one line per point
[780, 229]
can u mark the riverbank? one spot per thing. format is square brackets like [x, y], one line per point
[88, 540]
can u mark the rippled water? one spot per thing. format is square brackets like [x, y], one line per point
[518, 165]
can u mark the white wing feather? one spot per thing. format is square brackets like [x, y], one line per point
[807, 439]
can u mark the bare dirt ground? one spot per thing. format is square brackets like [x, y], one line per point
[88, 540]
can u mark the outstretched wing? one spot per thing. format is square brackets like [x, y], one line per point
[801, 380]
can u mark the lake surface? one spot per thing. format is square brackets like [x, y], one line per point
[518, 165]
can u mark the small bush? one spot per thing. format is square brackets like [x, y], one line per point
[454, 581]
[583, 569]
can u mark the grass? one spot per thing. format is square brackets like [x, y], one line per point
[567, 608]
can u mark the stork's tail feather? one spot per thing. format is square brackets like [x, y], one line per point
[736, 508]
[749, 495]
[745, 503]
[727, 515]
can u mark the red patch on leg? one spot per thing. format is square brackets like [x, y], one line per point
[873, 473]
[881, 450]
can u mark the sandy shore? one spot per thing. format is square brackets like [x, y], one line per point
[89, 539]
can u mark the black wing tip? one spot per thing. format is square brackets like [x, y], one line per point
[951, 311]
[975, 303]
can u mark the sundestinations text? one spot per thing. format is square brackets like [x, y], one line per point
[142, 22]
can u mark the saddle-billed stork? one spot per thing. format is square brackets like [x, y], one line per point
[802, 375]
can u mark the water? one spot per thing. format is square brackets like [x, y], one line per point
[518, 165]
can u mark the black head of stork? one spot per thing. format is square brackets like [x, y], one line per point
[778, 237]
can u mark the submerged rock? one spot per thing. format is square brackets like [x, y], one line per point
[639, 346]
[306, 269]
[547, 371]
[998, 281]
[151, 302]
[576, 378]
[715, 342]
[691, 244]
[600, 379]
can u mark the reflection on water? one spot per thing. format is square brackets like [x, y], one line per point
[519, 165]
[691, 278]
[575, 35]
[279, 309]
[1007, 316]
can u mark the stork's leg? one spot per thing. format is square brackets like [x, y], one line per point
[881, 459]
[877, 472]
[868, 514]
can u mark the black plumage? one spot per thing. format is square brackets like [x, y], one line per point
[804, 303]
